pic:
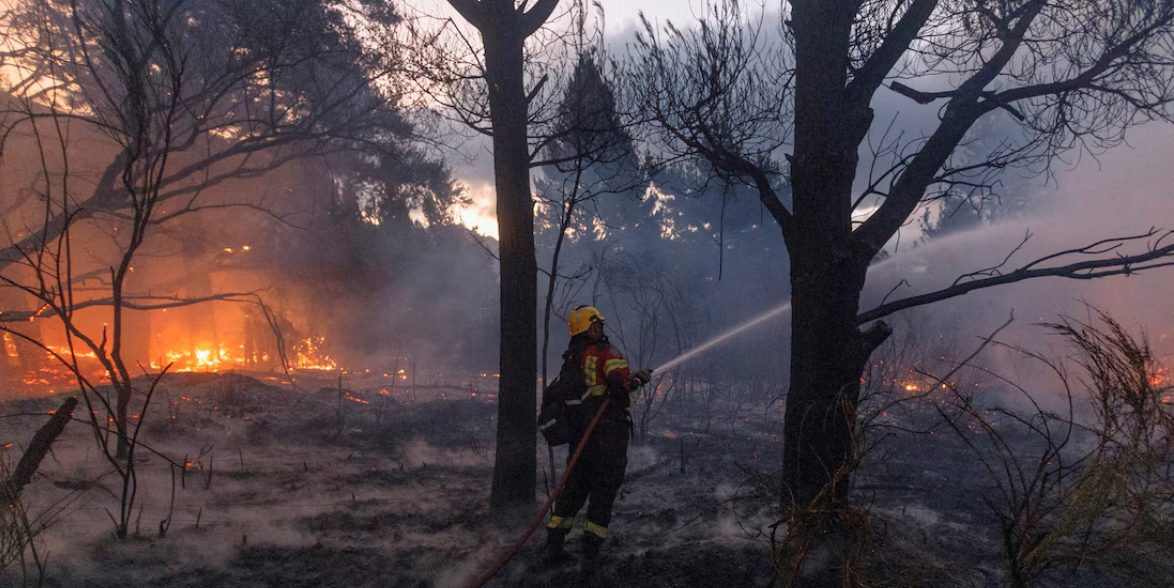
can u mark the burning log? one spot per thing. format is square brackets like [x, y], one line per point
[38, 448]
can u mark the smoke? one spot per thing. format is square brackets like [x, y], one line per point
[421, 454]
[1123, 192]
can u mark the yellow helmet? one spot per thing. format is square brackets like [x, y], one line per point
[582, 318]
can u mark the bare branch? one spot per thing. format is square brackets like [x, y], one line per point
[133, 302]
[1155, 257]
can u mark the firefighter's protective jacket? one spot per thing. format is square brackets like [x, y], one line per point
[605, 371]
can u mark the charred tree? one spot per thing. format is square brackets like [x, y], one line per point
[504, 28]
[1073, 74]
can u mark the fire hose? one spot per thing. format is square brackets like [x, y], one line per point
[500, 562]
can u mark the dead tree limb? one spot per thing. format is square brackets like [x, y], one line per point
[38, 449]
[144, 302]
[1155, 257]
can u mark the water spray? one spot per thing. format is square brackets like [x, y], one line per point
[722, 338]
[782, 308]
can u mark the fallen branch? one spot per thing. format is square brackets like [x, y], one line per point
[38, 449]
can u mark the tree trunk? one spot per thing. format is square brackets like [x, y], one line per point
[514, 473]
[121, 426]
[828, 268]
[825, 289]
[827, 359]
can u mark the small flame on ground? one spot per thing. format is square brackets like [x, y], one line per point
[309, 355]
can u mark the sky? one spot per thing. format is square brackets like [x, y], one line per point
[620, 13]
[476, 173]
[1078, 175]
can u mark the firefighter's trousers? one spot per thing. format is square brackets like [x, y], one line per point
[596, 478]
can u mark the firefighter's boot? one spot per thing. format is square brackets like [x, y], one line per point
[554, 553]
[589, 555]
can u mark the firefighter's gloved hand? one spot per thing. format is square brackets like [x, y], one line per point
[640, 378]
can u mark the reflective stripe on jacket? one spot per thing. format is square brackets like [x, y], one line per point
[603, 366]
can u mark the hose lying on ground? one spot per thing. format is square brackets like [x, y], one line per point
[562, 481]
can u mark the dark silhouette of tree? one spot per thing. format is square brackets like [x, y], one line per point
[1073, 74]
[504, 28]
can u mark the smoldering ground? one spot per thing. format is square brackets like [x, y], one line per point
[339, 484]
[322, 486]
[276, 492]
[291, 487]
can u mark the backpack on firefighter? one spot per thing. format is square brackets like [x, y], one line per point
[559, 418]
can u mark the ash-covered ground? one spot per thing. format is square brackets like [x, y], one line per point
[317, 487]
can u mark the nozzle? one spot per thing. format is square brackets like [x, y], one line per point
[642, 377]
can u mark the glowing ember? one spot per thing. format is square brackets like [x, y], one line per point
[10, 346]
[1159, 378]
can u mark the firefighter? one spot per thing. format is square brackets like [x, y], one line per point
[597, 476]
